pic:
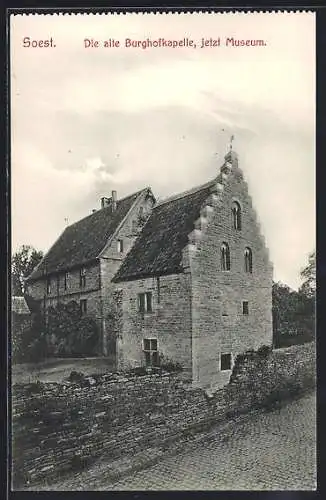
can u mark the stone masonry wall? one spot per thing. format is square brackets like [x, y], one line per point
[219, 325]
[110, 262]
[169, 322]
[59, 428]
[37, 289]
[91, 292]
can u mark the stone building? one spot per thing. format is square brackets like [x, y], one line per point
[192, 285]
[82, 262]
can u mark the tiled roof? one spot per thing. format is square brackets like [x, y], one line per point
[83, 241]
[19, 305]
[158, 249]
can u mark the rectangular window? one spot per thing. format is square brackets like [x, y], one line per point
[83, 307]
[245, 307]
[149, 302]
[82, 277]
[48, 286]
[46, 316]
[141, 302]
[145, 302]
[66, 281]
[120, 246]
[225, 361]
[150, 352]
[158, 290]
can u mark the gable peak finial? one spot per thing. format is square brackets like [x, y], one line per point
[231, 141]
[231, 156]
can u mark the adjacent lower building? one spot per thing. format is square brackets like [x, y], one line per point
[21, 315]
[185, 281]
[80, 265]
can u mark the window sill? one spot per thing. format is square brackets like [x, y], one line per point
[145, 314]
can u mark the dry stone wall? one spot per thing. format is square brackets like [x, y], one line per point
[58, 428]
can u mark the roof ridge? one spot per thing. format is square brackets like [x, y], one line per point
[132, 194]
[97, 210]
[58, 257]
[188, 192]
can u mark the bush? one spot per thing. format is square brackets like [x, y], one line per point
[83, 380]
[169, 365]
[139, 370]
[66, 333]
[265, 379]
[71, 334]
[76, 376]
[264, 351]
[29, 342]
[35, 388]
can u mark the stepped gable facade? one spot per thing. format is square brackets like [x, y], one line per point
[196, 287]
[189, 283]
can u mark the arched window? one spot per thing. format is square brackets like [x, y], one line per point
[248, 260]
[236, 215]
[225, 257]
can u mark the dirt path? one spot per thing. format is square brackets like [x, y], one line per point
[56, 370]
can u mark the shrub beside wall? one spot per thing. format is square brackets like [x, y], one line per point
[266, 378]
[61, 427]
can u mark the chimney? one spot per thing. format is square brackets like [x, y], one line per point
[105, 202]
[114, 201]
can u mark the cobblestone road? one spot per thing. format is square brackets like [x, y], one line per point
[270, 451]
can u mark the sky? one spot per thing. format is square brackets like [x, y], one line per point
[86, 121]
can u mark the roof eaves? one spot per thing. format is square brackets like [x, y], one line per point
[143, 275]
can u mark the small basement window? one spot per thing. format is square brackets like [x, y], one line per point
[150, 351]
[225, 362]
[245, 307]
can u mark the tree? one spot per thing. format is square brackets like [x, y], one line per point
[293, 316]
[308, 275]
[22, 264]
